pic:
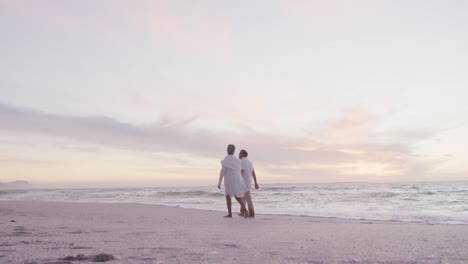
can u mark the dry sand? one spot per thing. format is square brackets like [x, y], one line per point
[45, 232]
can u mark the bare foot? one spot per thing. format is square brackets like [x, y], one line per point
[246, 214]
[228, 216]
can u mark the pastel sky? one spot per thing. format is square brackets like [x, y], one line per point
[132, 93]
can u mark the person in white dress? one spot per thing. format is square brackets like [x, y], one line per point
[233, 183]
[248, 172]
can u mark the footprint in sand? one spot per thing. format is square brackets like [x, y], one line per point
[19, 231]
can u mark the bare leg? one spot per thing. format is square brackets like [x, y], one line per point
[248, 200]
[245, 204]
[228, 203]
[240, 200]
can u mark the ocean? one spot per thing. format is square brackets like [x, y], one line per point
[430, 202]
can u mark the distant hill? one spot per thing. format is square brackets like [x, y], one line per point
[15, 185]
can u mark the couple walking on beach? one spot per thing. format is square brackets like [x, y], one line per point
[238, 174]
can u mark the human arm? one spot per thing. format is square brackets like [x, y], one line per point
[255, 179]
[242, 166]
[221, 175]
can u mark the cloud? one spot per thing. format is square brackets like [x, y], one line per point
[25, 162]
[175, 25]
[351, 123]
[331, 12]
[170, 121]
[286, 155]
[165, 136]
[104, 131]
[185, 25]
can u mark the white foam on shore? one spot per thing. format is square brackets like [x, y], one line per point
[441, 202]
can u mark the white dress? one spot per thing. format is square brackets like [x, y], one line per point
[231, 171]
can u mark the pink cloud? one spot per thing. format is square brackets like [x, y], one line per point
[350, 123]
[155, 21]
[25, 162]
[172, 135]
[44, 12]
[191, 27]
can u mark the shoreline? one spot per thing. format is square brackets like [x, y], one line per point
[234, 205]
[423, 203]
[144, 233]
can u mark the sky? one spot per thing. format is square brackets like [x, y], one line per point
[149, 93]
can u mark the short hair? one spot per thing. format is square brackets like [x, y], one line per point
[230, 149]
[244, 153]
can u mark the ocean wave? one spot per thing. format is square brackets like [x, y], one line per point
[427, 193]
[9, 192]
[456, 191]
[278, 189]
[436, 203]
[278, 194]
[410, 199]
[189, 194]
[216, 195]
[383, 194]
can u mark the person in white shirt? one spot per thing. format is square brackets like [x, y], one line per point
[233, 183]
[248, 172]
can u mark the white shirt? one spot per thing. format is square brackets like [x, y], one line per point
[247, 171]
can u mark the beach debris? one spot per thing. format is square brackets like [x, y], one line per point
[48, 262]
[78, 257]
[19, 231]
[102, 257]
[230, 245]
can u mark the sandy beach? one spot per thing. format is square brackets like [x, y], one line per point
[48, 232]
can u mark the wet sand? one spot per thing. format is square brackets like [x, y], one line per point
[48, 232]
